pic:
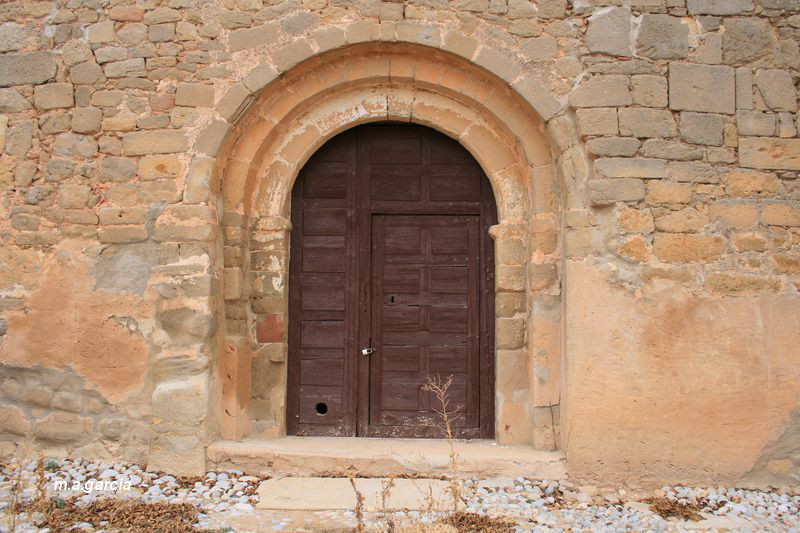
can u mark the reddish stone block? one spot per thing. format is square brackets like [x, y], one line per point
[126, 13]
[270, 328]
[162, 102]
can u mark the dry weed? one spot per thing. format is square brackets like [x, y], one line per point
[667, 508]
[440, 390]
[477, 523]
[127, 515]
[359, 507]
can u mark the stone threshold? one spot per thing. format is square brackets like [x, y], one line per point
[320, 494]
[366, 457]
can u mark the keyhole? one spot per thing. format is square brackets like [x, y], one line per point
[391, 299]
[321, 408]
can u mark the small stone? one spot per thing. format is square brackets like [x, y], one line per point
[160, 33]
[517, 9]
[32, 68]
[602, 91]
[756, 123]
[766, 153]
[663, 149]
[107, 98]
[245, 39]
[154, 142]
[609, 31]
[12, 102]
[613, 167]
[117, 169]
[86, 120]
[614, 146]
[123, 121]
[19, 138]
[300, 23]
[747, 40]
[186, 31]
[692, 172]
[17, 36]
[702, 128]
[538, 48]
[649, 90]
[71, 196]
[74, 52]
[194, 95]
[777, 89]
[719, 7]
[662, 37]
[597, 121]
[100, 32]
[24, 173]
[160, 166]
[86, 73]
[610, 191]
[525, 28]
[645, 122]
[132, 34]
[667, 192]
[127, 67]
[110, 53]
[705, 88]
[687, 247]
[71, 144]
[126, 13]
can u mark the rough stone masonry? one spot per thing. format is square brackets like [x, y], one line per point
[645, 156]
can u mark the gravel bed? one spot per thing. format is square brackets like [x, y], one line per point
[534, 505]
[542, 505]
[230, 491]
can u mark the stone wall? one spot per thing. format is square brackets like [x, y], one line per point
[652, 287]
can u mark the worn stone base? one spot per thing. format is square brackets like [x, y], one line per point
[314, 456]
[319, 494]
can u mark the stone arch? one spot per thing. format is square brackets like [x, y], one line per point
[282, 114]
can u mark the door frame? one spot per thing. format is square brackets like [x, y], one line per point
[360, 213]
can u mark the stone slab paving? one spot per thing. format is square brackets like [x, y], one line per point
[409, 494]
[306, 494]
[379, 494]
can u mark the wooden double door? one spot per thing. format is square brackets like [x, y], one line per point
[391, 281]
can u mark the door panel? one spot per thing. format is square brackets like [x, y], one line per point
[322, 312]
[440, 335]
[390, 250]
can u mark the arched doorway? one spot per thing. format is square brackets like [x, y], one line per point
[288, 119]
[391, 281]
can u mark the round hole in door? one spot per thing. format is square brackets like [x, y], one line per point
[321, 408]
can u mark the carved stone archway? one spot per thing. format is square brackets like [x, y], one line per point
[283, 111]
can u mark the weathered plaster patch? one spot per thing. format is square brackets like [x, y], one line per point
[19, 267]
[687, 387]
[779, 459]
[70, 325]
[125, 268]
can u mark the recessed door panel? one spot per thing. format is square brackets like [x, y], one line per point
[443, 336]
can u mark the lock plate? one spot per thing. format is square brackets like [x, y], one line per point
[367, 351]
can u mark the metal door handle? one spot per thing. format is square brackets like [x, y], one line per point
[367, 351]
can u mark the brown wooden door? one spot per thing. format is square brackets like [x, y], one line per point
[390, 252]
[425, 322]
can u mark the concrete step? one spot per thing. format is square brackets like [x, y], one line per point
[345, 456]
